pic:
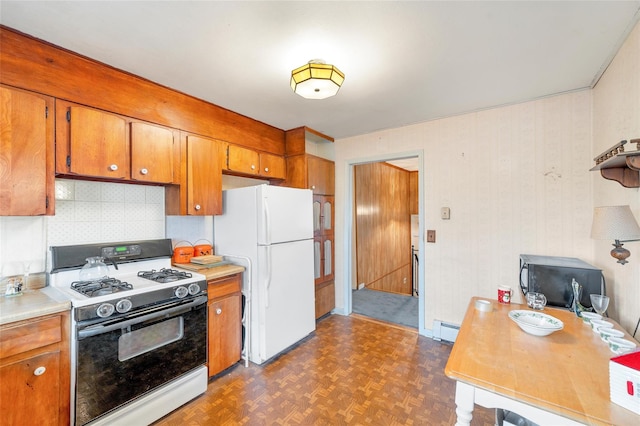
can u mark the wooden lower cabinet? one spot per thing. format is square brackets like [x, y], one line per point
[225, 322]
[34, 371]
[325, 298]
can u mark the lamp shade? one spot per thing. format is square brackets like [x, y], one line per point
[316, 80]
[614, 223]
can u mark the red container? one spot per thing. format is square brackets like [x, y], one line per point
[182, 254]
[504, 294]
[202, 249]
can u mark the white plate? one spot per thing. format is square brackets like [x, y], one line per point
[536, 323]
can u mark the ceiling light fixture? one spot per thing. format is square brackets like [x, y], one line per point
[316, 80]
[615, 223]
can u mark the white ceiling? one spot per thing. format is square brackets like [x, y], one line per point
[405, 62]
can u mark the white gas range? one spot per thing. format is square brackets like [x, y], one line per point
[139, 334]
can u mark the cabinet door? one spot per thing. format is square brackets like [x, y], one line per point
[30, 391]
[242, 160]
[327, 264]
[152, 153]
[272, 166]
[318, 260]
[327, 215]
[98, 144]
[317, 215]
[323, 215]
[321, 175]
[225, 333]
[323, 268]
[204, 176]
[26, 153]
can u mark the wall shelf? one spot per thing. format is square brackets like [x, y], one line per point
[620, 165]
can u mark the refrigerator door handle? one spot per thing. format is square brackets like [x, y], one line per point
[267, 281]
[267, 221]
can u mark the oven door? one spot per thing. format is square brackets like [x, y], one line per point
[120, 360]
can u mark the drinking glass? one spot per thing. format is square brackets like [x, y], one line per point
[600, 303]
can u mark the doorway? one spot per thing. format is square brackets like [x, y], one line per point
[389, 291]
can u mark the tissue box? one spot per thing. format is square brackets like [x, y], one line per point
[624, 381]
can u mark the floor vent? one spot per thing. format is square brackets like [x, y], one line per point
[444, 331]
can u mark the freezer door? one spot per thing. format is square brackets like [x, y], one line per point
[286, 299]
[284, 214]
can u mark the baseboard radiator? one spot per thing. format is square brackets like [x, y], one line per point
[444, 331]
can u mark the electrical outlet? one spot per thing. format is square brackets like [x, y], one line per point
[445, 213]
[431, 235]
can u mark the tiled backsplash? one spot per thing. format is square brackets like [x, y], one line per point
[88, 212]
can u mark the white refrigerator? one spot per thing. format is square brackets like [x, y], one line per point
[269, 229]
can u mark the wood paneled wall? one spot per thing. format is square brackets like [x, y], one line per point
[413, 192]
[41, 67]
[383, 227]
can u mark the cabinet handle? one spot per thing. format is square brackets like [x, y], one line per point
[253, 167]
[313, 187]
[39, 371]
[197, 207]
[266, 169]
[113, 167]
[144, 171]
[218, 311]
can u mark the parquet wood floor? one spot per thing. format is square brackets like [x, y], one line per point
[351, 371]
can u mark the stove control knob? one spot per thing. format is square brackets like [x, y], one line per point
[123, 306]
[194, 289]
[181, 292]
[105, 310]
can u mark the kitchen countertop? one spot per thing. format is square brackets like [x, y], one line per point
[31, 304]
[218, 271]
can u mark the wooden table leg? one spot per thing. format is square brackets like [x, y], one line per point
[464, 403]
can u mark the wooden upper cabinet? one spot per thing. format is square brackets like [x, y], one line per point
[321, 175]
[26, 153]
[260, 164]
[242, 160]
[98, 143]
[204, 176]
[104, 145]
[152, 153]
[272, 166]
[308, 165]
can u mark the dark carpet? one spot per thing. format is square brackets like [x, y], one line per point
[391, 307]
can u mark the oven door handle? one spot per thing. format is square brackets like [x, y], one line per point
[101, 329]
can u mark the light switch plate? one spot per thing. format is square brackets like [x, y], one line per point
[431, 235]
[445, 213]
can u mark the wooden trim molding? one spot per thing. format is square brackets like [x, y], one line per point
[39, 66]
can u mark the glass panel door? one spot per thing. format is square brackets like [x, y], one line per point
[328, 258]
[327, 215]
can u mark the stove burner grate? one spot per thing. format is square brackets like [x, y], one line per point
[164, 275]
[101, 286]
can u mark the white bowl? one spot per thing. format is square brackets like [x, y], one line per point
[607, 333]
[598, 324]
[536, 323]
[621, 346]
[589, 316]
